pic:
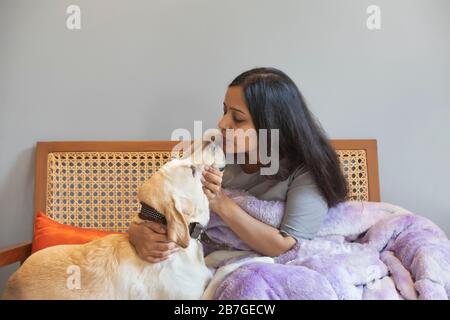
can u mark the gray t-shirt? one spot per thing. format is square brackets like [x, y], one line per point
[305, 207]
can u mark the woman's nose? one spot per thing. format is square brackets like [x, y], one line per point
[223, 124]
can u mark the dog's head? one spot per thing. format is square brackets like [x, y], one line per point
[176, 191]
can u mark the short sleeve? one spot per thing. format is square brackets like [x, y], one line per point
[305, 209]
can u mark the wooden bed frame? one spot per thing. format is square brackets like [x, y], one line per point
[19, 252]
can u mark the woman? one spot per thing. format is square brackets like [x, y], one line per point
[309, 178]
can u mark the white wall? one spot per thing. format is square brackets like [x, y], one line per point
[139, 69]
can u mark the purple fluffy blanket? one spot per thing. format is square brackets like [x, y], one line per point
[363, 250]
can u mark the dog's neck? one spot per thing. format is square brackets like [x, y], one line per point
[151, 214]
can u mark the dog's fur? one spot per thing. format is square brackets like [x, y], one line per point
[109, 268]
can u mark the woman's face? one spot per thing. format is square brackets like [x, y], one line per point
[236, 116]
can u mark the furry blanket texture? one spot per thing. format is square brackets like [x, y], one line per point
[363, 250]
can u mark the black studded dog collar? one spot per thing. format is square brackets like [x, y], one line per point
[149, 213]
[196, 230]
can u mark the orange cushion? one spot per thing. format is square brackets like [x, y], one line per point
[48, 232]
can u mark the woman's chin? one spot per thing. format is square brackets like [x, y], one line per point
[228, 152]
[230, 149]
[224, 148]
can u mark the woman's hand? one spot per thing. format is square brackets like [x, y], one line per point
[212, 187]
[151, 241]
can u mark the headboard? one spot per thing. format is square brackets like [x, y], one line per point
[93, 184]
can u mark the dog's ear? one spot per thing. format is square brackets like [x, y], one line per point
[177, 226]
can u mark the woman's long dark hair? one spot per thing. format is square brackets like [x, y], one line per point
[275, 102]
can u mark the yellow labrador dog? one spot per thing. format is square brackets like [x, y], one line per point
[109, 268]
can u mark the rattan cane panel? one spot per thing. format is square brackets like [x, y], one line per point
[98, 189]
[354, 167]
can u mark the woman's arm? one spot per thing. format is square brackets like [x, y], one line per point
[259, 236]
